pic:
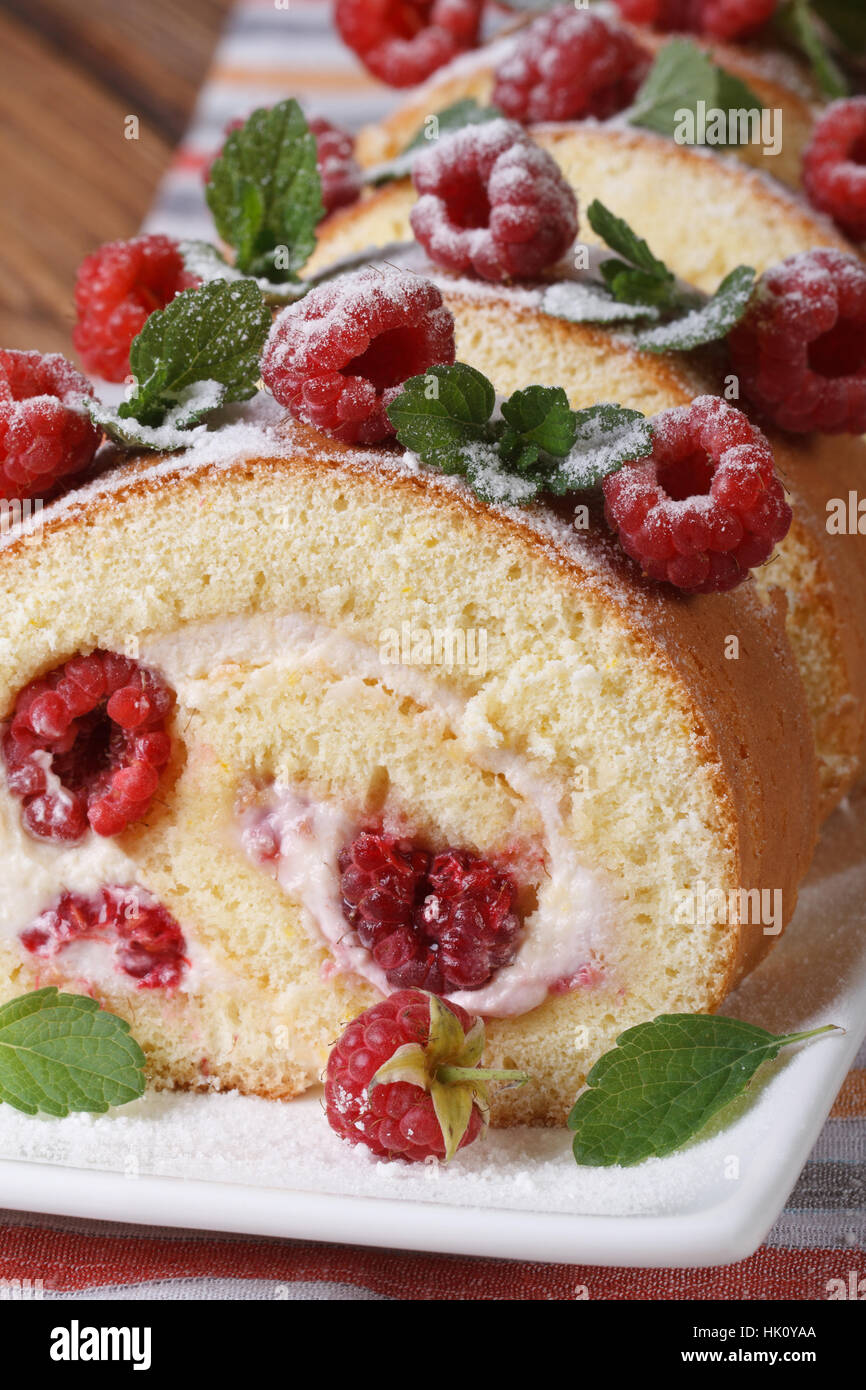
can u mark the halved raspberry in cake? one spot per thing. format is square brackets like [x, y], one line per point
[86, 745]
[146, 942]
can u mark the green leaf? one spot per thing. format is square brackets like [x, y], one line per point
[662, 1083]
[579, 301]
[640, 277]
[681, 76]
[198, 353]
[61, 1052]
[436, 414]
[265, 192]
[797, 21]
[467, 111]
[707, 323]
[606, 436]
[541, 415]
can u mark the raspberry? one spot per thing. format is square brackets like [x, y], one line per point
[403, 41]
[492, 202]
[339, 356]
[409, 1117]
[85, 745]
[339, 170]
[444, 924]
[705, 506]
[717, 19]
[800, 350]
[147, 942]
[118, 288]
[46, 433]
[834, 166]
[569, 64]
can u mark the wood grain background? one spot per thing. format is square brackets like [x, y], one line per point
[70, 72]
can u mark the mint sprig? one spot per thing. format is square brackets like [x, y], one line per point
[61, 1052]
[465, 112]
[664, 1081]
[539, 444]
[681, 76]
[265, 192]
[706, 323]
[639, 277]
[640, 291]
[199, 353]
[808, 28]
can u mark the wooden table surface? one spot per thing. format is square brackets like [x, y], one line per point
[71, 71]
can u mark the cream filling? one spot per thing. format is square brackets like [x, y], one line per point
[571, 934]
[37, 872]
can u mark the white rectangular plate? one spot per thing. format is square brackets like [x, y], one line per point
[233, 1163]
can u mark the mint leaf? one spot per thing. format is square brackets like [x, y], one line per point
[577, 301]
[265, 192]
[466, 111]
[61, 1052]
[539, 416]
[605, 437]
[707, 323]
[498, 482]
[198, 353]
[664, 1080]
[640, 277]
[438, 413]
[798, 23]
[681, 76]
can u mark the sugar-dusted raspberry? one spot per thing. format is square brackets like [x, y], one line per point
[403, 41]
[717, 19]
[396, 1119]
[118, 287]
[86, 744]
[444, 923]
[339, 356]
[800, 350]
[569, 64]
[147, 943]
[834, 166]
[492, 202]
[46, 434]
[706, 505]
[339, 170]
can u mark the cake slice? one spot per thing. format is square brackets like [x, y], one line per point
[275, 604]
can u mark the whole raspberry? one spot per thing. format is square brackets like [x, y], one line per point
[444, 924]
[717, 19]
[404, 1079]
[148, 945]
[492, 202]
[834, 165]
[403, 41]
[46, 433]
[569, 64]
[86, 744]
[338, 357]
[800, 350]
[339, 170]
[118, 287]
[706, 505]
